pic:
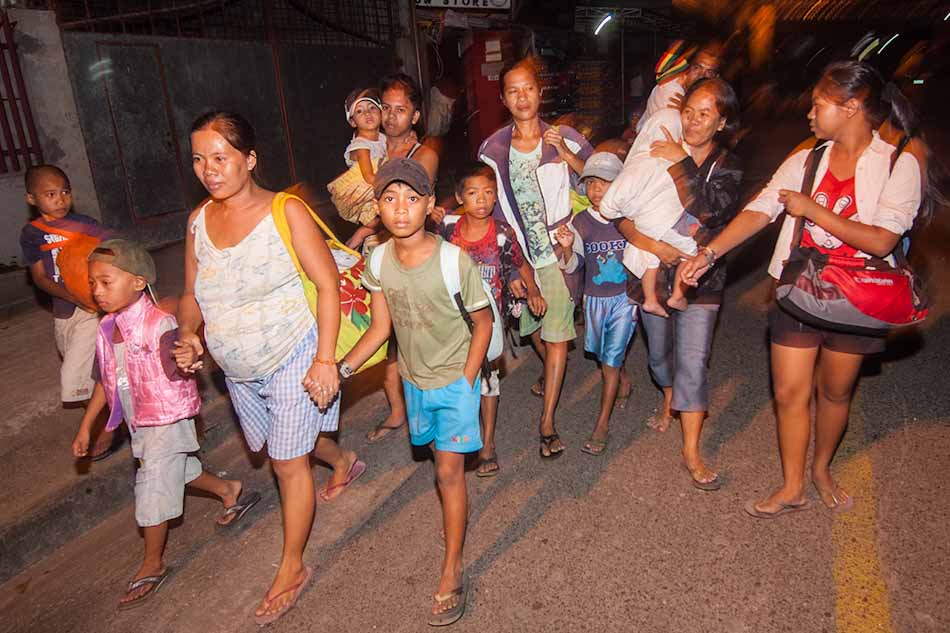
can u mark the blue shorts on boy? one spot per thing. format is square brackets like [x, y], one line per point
[447, 416]
[278, 411]
[610, 318]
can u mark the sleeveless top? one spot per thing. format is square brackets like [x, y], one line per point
[252, 300]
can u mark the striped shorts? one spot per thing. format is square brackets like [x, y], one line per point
[278, 411]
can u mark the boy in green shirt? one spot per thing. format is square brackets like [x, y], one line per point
[438, 358]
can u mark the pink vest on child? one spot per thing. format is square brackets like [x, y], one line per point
[158, 399]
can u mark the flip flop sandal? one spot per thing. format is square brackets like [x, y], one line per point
[537, 389]
[493, 460]
[155, 582]
[595, 447]
[708, 486]
[785, 508]
[450, 616]
[106, 454]
[839, 506]
[375, 436]
[623, 397]
[296, 590]
[244, 503]
[356, 469]
[546, 441]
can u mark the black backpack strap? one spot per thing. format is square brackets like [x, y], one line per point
[808, 183]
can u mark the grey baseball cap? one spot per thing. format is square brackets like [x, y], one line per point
[603, 165]
[403, 170]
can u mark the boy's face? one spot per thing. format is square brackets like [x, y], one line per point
[403, 210]
[51, 195]
[366, 117]
[596, 188]
[113, 288]
[478, 196]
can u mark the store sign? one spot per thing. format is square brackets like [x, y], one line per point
[465, 4]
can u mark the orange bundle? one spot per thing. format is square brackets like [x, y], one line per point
[72, 262]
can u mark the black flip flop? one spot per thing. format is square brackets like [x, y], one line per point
[244, 503]
[106, 454]
[546, 441]
[491, 473]
[155, 582]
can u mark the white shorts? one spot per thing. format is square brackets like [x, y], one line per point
[76, 341]
[166, 465]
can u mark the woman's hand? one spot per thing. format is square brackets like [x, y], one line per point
[553, 137]
[670, 149]
[322, 382]
[690, 271]
[797, 204]
[187, 353]
[536, 302]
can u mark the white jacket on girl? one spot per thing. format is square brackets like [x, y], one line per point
[885, 199]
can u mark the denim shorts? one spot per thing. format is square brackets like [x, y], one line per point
[678, 348]
[447, 416]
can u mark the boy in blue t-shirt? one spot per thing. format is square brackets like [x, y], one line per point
[438, 358]
[74, 325]
[610, 318]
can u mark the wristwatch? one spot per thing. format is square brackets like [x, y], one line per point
[710, 255]
[345, 370]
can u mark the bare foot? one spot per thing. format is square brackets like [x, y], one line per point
[834, 498]
[654, 307]
[384, 428]
[623, 394]
[700, 473]
[677, 303]
[660, 421]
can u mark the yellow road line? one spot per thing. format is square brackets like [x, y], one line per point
[862, 604]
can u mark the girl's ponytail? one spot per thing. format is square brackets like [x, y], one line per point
[901, 112]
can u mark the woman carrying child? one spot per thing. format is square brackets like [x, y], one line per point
[706, 177]
[352, 191]
[865, 196]
[241, 282]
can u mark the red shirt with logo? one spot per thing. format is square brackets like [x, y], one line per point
[837, 196]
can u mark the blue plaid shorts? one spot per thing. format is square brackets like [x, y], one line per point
[278, 411]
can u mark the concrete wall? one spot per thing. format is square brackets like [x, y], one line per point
[54, 112]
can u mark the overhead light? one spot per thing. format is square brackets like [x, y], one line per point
[946, 17]
[918, 82]
[603, 22]
[893, 37]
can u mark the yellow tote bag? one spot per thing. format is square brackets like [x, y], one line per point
[354, 299]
